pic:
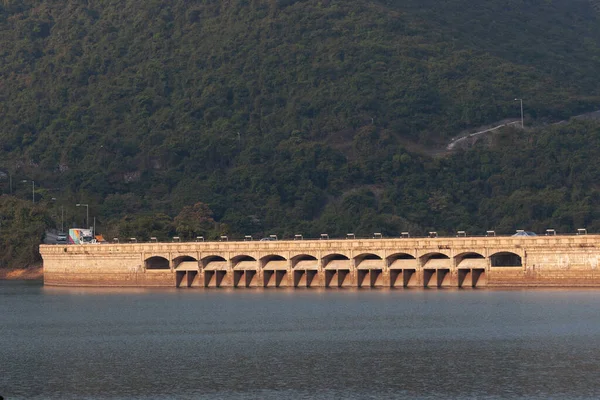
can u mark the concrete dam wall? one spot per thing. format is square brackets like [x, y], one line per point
[465, 262]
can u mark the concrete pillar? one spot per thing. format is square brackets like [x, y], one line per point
[375, 276]
[320, 277]
[450, 279]
[191, 276]
[429, 278]
[298, 277]
[200, 278]
[328, 277]
[361, 278]
[410, 278]
[479, 278]
[290, 272]
[224, 278]
[464, 278]
[351, 277]
[179, 278]
[251, 278]
[395, 278]
[259, 273]
[281, 279]
[268, 278]
[420, 274]
[314, 278]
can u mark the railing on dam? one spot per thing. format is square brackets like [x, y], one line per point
[400, 262]
[349, 236]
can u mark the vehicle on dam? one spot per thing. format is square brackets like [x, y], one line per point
[80, 236]
[62, 238]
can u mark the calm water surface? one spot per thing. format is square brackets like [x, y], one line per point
[65, 343]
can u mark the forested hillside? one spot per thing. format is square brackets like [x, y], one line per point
[298, 116]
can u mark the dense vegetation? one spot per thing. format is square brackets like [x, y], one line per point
[22, 227]
[298, 116]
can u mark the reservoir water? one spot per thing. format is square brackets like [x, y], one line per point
[91, 343]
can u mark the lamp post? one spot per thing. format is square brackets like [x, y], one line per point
[32, 189]
[87, 212]
[522, 124]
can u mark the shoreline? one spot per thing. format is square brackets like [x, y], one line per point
[24, 274]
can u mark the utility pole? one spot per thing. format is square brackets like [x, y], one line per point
[522, 123]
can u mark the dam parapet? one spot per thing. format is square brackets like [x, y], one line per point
[464, 262]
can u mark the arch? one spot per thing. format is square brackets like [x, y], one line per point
[402, 261]
[506, 259]
[212, 258]
[470, 260]
[434, 256]
[213, 263]
[273, 262]
[272, 257]
[367, 256]
[436, 261]
[177, 261]
[244, 262]
[305, 261]
[469, 254]
[157, 262]
[336, 261]
[401, 256]
[242, 257]
[368, 261]
[335, 256]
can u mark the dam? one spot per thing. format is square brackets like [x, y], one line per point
[461, 262]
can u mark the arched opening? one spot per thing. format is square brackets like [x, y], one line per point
[215, 270]
[471, 269]
[157, 262]
[245, 269]
[213, 263]
[337, 268]
[273, 262]
[185, 261]
[402, 261]
[436, 269]
[435, 260]
[274, 270]
[336, 261]
[403, 268]
[305, 261]
[506, 259]
[305, 269]
[470, 260]
[243, 262]
[369, 270]
[368, 259]
[186, 271]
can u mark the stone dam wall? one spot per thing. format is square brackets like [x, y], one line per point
[466, 262]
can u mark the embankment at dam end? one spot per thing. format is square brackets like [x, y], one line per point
[33, 273]
[465, 262]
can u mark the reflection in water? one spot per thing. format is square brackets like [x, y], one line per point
[313, 343]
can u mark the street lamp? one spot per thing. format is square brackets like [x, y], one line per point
[32, 189]
[87, 212]
[522, 124]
